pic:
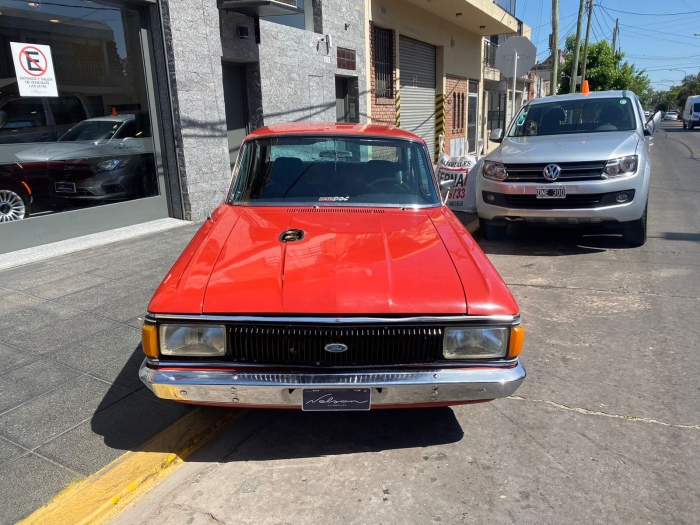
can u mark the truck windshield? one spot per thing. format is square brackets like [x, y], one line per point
[341, 170]
[575, 116]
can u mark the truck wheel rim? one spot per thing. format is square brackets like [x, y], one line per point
[11, 206]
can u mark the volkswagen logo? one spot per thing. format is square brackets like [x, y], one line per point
[551, 172]
[336, 348]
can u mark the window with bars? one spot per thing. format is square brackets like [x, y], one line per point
[458, 116]
[383, 58]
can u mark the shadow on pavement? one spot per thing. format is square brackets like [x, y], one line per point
[554, 242]
[289, 433]
[678, 236]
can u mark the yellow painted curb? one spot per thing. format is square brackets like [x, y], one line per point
[102, 495]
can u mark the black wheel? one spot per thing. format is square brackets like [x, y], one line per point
[684, 126]
[635, 232]
[491, 231]
[691, 125]
[14, 204]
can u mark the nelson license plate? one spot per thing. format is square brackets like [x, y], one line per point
[549, 192]
[335, 399]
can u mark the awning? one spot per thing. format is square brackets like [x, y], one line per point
[262, 7]
[482, 17]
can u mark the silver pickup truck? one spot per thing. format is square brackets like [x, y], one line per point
[570, 160]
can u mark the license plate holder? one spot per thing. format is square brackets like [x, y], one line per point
[551, 192]
[335, 399]
[64, 187]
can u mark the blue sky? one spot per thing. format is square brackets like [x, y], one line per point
[653, 34]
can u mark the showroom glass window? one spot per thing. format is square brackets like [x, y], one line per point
[90, 145]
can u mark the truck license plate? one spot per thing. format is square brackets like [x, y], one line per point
[549, 192]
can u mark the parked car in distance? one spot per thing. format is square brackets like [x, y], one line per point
[100, 159]
[333, 277]
[570, 160]
[691, 112]
[671, 115]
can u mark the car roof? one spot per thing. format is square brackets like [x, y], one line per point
[111, 118]
[333, 128]
[579, 96]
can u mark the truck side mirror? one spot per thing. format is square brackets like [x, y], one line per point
[496, 135]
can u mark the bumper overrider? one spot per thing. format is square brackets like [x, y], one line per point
[260, 385]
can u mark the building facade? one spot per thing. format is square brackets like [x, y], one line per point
[114, 113]
[425, 66]
[136, 111]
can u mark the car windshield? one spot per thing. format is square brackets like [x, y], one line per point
[585, 115]
[92, 130]
[342, 170]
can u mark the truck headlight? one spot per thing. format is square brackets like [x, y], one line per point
[475, 343]
[197, 340]
[622, 166]
[494, 170]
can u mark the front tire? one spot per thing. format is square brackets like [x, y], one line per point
[491, 231]
[635, 232]
[684, 125]
[14, 204]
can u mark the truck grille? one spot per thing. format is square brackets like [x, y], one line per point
[305, 345]
[570, 171]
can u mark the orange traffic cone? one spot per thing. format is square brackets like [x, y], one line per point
[585, 89]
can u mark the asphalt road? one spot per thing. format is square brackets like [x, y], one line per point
[606, 429]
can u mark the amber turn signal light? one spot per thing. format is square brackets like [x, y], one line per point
[517, 338]
[149, 340]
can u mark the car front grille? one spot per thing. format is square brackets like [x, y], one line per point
[570, 171]
[305, 345]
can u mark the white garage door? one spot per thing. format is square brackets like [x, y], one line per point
[417, 85]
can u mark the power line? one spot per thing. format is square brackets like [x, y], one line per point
[660, 32]
[650, 14]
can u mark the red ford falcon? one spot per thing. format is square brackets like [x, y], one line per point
[333, 278]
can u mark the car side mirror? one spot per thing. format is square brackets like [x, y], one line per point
[3, 118]
[446, 186]
[647, 132]
[496, 135]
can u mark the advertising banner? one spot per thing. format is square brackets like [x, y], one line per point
[462, 196]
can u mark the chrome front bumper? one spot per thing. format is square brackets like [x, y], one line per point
[388, 387]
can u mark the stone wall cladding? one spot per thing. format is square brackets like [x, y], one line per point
[383, 109]
[454, 85]
[194, 60]
[297, 83]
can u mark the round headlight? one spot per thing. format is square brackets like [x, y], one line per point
[613, 169]
[628, 165]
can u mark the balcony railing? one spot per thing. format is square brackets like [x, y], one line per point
[507, 5]
[490, 53]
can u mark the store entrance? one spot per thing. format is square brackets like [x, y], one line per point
[79, 141]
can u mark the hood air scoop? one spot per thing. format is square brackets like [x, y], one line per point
[291, 235]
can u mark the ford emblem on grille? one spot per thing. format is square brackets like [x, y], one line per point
[335, 348]
[551, 172]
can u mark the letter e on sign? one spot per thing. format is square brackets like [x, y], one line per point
[34, 70]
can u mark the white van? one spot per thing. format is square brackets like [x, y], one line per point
[691, 112]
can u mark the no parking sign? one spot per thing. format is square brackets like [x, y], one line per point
[34, 70]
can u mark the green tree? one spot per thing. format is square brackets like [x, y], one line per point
[605, 70]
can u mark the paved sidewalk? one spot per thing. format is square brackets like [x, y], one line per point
[70, 397]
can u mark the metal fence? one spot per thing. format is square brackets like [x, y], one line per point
[490, 53]
[508, 5]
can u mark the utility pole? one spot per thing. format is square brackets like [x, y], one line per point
[555, 48]
[585, 45]
[574, 66]
[615, 32]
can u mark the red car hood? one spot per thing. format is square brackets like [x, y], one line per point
[350, 261]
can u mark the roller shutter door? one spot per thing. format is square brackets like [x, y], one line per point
[417, 85]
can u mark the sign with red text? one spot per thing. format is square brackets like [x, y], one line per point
[457, 169]
[34, 70]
